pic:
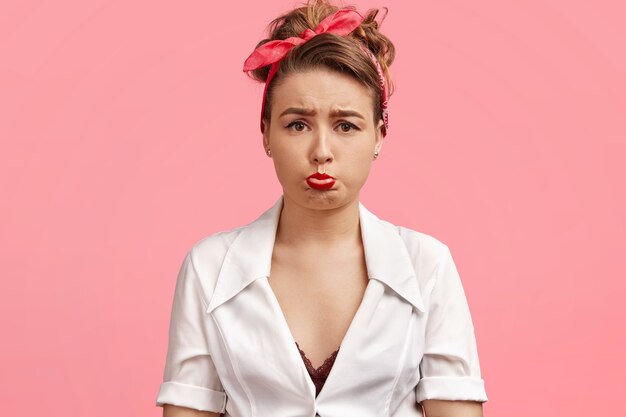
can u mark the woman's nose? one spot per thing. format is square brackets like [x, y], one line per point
[321, 148]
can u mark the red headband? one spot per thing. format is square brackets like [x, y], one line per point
[342, 22]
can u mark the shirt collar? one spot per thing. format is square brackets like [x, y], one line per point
[250, 254]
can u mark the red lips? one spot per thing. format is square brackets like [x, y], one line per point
[327, 183]
[320, 176]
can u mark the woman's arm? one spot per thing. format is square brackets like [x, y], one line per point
[441, 408]
[191, 383]
[176, 411]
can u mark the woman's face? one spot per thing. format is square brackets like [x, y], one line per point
[322, 121]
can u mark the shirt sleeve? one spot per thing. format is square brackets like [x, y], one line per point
[190, 378]
[450, 369]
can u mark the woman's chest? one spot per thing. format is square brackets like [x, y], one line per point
[259, 363]
[318, 301]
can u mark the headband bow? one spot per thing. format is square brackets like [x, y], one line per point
[341, 23]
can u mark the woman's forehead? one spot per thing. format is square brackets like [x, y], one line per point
[335, 111]
[314, 91]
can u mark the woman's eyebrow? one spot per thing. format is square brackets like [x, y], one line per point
[346, 113]
[334, 113]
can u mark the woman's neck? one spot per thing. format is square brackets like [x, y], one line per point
[303, 226]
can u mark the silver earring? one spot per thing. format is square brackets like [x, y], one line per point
[375, 154]
[268, 152]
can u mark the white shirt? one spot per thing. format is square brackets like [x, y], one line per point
[230, 349]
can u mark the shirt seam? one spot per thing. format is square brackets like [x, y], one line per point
[200, 290]
[400, 366]
[196, 280]
[445, 251]
[235, 367]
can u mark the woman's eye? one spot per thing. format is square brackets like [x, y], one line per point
[345, 127]
[297, 123]
[300, 126]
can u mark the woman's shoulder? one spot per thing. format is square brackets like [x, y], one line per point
[425, 250]
[209, 250]
[206, 256]
[421, 246]
[418, 241]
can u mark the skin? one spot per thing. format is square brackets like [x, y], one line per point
[341, 146]
[312, 221]
[176, 411]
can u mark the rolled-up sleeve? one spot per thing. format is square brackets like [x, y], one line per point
[190, 378]
[450, 369]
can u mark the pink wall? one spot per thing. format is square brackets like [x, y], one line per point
[122, 143]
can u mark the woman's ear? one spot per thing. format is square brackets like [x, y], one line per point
[379, 135]
[266, 136]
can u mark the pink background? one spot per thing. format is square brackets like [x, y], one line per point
[129, 131]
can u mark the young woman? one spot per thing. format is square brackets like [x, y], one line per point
[318, 307]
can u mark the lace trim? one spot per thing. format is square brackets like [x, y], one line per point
[324, 369]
